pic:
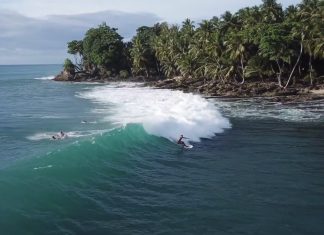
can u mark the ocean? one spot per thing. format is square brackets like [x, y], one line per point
[256, 167]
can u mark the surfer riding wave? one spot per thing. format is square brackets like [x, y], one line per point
[182, 142]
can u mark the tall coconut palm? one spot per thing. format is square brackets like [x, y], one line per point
[273, 47]
[311, 17]
[185, 60]
[166, 49]
[142, 52]
[272, 12]
[137, 53]
[201, 47]
[236, 50]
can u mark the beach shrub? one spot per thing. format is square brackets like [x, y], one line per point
[123, 74]
[109, 73]
[68, 65]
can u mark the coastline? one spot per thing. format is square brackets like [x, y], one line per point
[213, 89]
[267, 90]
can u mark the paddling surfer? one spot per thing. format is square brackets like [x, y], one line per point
[62, 134]
[59, 136]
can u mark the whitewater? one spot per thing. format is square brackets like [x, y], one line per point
[162, 113]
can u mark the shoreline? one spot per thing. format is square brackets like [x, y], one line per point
[212, 89]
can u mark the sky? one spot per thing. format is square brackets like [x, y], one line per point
[37, 31]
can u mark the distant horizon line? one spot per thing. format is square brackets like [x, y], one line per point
[29, 64]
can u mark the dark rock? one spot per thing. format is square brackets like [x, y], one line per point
[64, 76]
[208, 87]
[285, 92]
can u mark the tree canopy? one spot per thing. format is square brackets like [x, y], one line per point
[103, 46]
[263, 42]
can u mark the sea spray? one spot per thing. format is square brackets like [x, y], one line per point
[162, 113]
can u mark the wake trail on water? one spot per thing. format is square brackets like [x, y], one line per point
[162, 113]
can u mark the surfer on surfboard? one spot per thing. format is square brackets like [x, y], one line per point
[181, 142]
[59, 136]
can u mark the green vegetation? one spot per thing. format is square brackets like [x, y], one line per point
[103, 46]
[142, 52]
[68, 65]
[76, 48]
[262, 43]
[123, 74]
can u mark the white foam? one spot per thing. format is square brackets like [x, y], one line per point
[51, 117]
[45, 78]
[69, 134]
[163, 113]
[35, 115]
[41, 136]
[42, 167]
[256, 109]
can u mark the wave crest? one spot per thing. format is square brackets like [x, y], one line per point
[162, 113]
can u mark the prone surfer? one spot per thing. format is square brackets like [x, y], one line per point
[182, 142]
[62, 134]
[59, 136]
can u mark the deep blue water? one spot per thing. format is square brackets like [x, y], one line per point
[263, 175]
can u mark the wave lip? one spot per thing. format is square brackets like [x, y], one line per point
[162, 113]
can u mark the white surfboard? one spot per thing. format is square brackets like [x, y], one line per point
[189, 146]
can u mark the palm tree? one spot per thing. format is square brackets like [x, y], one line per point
[236, 50]
[311, 15]
[137, 53]
[272, 12]
[185, 61]
[166, 49]
[273, 46]
[142, 52]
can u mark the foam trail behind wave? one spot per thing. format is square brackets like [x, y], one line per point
[163, 113]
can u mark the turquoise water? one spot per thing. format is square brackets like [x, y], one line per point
[120, 172]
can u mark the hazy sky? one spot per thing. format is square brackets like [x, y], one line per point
[36, 31]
